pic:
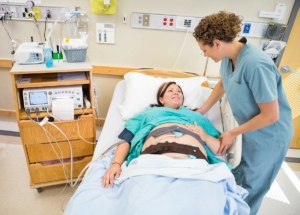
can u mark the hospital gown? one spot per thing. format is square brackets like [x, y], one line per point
[141, 124]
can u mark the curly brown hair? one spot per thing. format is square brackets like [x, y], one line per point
[223, 26]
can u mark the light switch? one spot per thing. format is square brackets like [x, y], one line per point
[105, 33]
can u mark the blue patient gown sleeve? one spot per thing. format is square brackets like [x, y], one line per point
[126, 135]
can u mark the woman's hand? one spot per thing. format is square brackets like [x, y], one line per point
[198, 130]
[111, 172]
[202, 110]
[226, 141]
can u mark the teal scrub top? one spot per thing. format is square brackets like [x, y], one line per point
[255, 80]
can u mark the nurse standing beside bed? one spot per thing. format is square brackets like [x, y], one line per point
[254, 90]
[166, 128]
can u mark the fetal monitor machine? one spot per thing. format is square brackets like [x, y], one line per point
[41, 98]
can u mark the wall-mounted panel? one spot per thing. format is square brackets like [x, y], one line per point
[25, 13]
[188, 23]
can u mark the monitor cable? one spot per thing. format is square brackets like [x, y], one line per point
[182, 47]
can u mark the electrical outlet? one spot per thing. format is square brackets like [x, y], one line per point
[187, 23]
[247, 27]
[183, 22]
[254, 29]
[163, 21]
[146, 20]
[48, 12]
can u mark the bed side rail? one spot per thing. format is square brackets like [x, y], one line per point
[234, 152]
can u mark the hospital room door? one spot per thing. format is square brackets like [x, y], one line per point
[291, 81]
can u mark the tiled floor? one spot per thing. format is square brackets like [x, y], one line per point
[282, 199]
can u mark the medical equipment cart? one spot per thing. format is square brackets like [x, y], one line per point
[46, 155]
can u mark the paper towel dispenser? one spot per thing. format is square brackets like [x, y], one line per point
[41, 98]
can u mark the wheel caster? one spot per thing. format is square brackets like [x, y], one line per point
[39, 190]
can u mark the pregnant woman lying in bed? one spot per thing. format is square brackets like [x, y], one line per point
[166, 128]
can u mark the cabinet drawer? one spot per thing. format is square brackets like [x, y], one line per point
[45, 152]
[48, 173]
[32, 133]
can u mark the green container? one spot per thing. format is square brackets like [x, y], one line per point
[57, 56]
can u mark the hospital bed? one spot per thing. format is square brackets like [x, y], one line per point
[155, 184]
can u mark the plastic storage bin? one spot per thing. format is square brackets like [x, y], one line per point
[75, 55]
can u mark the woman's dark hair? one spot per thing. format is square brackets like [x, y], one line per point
[161, 92]
[223, 26]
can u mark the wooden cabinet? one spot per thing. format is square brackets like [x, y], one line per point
[47, 150]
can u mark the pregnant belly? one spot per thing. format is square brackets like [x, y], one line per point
[185, 139]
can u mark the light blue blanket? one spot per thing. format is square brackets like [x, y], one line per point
[193, 187]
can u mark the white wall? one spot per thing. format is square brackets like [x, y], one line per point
[140, 47]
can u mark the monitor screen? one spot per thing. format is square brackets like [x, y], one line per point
[38, 98]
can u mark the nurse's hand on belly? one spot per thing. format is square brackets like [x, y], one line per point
[226, 141]
[212, 143]
[198, 130]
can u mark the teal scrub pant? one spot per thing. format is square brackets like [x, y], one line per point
[257, 171]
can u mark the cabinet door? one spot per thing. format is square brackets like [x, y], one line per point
[291, 81]
[56, 172]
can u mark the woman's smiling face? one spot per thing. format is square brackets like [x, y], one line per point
[173, 97]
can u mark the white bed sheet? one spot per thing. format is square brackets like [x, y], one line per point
[114, 123]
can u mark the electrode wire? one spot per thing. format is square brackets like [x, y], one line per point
[181, 48]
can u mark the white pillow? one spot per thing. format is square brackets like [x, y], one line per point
[141, 91]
